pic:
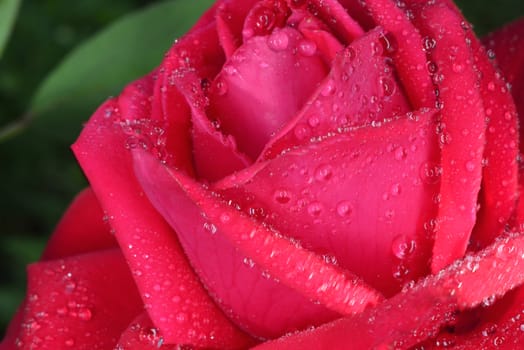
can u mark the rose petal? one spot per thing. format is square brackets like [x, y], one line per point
[409, 57]
[83, 228]
[499, 326]
[148, 243]
[345, 197]
[215, 155]
[318, 36]
[252, 115]
[500, 176]
[264, 17]
[463, 138]
[429, 304]
[506, 44]
[342, 99]
[69, 305]
[207, 226]
[230, 20]
[338, 18]
[141, 334]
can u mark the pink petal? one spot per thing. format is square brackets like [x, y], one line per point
[462, 130]
[500, 176]
[318, 36]
[68, 304]
[215, 155]
[335, 15]
[360, 89]
[507, 46]
[409, 57]
[363, 203]
[231, 252]
[252, 115]
[165, 280]
[230, 21]
[429, 304]
[83, 228]
[264, 17]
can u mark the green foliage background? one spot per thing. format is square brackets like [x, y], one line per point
[38, 174]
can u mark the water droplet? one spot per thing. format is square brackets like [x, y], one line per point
[315, 209]
[430, 173]
[282, 196]
[84, 314]
[69, 342]
[278, 40]
[458, 68]
[470, 165]
[313, 120]
[395, 189]
[402, 247]
[221, 87]
[344, 208]
[307, 47]
[302, 131]
[210, 227]
[323, 172]
[388, 86]
[328, 88]
[400, 153]
[429, 43]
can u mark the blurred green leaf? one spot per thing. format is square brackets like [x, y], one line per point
[101, 66]
[8, 11]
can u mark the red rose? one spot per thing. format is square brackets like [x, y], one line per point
[292, 164]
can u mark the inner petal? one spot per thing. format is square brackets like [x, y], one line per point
[263, 85]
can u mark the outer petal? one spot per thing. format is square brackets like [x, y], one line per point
[83, 228]
[364, 197]
[69, 305]
[215, 236]
[509, 51]
[284, 76]
[466, 284]
[463, 137]
[148, 243]
[342, 100]
[408, 55]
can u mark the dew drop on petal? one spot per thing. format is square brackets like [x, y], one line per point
[344, 208]
[278, 41]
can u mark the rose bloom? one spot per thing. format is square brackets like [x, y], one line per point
[298, 175]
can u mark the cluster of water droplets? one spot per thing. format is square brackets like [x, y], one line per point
[73, 305]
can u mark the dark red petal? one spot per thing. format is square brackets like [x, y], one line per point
[284, 76]
[417, 313]
[230, 20]
[165, 280]
[363, 203]
[506, 43]
[69, 304]
[409, 57]
[500, 175]
[83, 228]
[500, 326]
[462, 130]
[207, 226]
[336, 17]
[360, 89]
